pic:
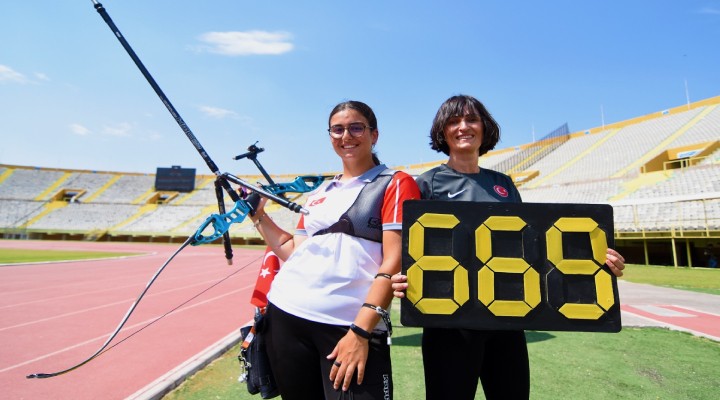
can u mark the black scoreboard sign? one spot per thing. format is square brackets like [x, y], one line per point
[510, 266]
[175, 179]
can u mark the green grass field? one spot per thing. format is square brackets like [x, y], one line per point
[636, 363]
[647, 363]
[16, 256]
[703, 280]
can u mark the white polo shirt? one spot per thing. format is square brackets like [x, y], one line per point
[326, 279]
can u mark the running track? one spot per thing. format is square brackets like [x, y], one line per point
[692, 312]
[55, 315]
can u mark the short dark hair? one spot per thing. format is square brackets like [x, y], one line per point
[363, 109]
[462, 105]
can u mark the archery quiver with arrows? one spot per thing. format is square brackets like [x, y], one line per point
[254, 363]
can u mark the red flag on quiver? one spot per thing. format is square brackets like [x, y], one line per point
[268, 270]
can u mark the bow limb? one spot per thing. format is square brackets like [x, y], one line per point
[122, 322]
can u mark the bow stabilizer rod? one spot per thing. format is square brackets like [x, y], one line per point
[185, 128]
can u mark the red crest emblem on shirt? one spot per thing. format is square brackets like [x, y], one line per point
[316, 202]
[501, 191]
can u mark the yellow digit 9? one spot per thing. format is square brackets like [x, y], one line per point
[513, 265]
[416, 250]
[603, 280]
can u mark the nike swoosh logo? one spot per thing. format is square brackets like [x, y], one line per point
[451, 195]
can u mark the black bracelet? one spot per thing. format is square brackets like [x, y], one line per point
[360, 332]
[381, 275]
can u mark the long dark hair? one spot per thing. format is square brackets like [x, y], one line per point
[463, 105]
[366, 112]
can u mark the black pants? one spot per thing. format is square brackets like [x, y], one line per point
[298, 349]
[456, 358]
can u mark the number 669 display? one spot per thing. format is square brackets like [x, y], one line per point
[488, 266]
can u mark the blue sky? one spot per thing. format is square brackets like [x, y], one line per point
[245, 71]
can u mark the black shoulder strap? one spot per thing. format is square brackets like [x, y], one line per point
[364, 217]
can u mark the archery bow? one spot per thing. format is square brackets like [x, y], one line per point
[220, 222]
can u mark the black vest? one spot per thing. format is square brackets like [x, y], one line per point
[364, 217]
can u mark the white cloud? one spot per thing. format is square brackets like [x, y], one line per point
[709, 10]
[41, 76]
[122, 129]
[79, 130]
[7, 74]
[216, 112]
[247, 43]
[150, 136]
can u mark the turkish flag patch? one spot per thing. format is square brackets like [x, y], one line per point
[268, 270]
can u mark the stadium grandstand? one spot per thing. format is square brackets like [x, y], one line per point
[663, 181]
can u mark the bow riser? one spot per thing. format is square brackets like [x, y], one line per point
[221, 222]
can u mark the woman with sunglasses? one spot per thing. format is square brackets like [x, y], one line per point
[326, 332]
[455, 359]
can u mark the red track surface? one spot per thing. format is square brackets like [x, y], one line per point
[681, 318]
[55, 315]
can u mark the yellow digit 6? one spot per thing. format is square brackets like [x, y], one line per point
[513, 265]
[603, 280]
[416, 250]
